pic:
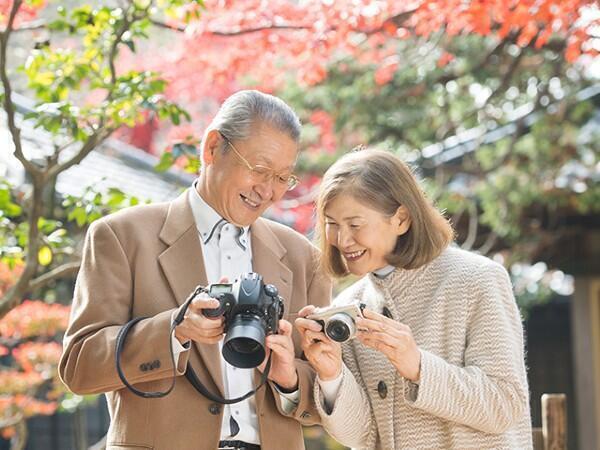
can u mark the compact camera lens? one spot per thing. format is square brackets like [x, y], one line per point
[340, 327]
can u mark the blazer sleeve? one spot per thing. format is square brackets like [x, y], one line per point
[102, 304]
[490, 392]
[318, 294]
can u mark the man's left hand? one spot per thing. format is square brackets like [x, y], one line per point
[283, 368]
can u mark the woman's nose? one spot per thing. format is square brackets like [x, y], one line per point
[345, 238]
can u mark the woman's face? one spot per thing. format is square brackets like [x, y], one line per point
[363, 235]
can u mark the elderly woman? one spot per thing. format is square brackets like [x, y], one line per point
[438, 360]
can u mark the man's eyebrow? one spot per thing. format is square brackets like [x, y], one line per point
[266, 161]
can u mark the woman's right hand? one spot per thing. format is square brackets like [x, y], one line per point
[323, 354]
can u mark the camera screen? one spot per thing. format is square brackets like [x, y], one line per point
[216, 289]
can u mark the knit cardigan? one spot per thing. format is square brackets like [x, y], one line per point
[472, 392]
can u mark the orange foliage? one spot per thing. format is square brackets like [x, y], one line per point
[34, 318]
[27, 11]
[255, 41]
[29, 383]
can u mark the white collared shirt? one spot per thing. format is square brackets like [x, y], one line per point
[227, 252]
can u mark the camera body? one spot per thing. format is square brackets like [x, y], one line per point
[338, 322]
[252, 311]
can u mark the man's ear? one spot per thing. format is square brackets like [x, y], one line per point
[402, 220]
[211, 146]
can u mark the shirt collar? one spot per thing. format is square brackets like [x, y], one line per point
[206, 218]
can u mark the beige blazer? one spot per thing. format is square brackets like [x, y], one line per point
[144, 261]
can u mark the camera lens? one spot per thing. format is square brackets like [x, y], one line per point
[244, 344]
[340, 327]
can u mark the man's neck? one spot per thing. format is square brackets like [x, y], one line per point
[201, 187]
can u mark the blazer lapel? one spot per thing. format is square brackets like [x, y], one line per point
[183, 265]
[267, 254]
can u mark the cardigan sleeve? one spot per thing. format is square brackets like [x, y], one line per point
[350, 422]
[490, 392]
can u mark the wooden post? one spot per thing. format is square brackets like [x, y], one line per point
[554, 421]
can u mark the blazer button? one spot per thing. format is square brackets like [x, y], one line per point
[143, 367]
[382, 389]
[214, 409]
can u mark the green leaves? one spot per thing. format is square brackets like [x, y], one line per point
[58, 76]
[8, 208]
[93, 204]
[183, 151]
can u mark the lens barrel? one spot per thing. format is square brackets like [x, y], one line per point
[340, 327]
[244, 344]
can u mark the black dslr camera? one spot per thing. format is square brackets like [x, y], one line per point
[252, 311]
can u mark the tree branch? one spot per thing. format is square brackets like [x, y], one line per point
[397, 20]
[473, 226]
[14, 296]
[15, 131]
[32, 25]
[63, 271]
[93, 141]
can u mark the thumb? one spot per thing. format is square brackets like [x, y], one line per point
[224, 280]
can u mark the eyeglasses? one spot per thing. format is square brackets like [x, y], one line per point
[264, 173]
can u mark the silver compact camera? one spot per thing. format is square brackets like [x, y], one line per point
[338, 322]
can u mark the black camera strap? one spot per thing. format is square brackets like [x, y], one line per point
[195, 381]
[189, 372]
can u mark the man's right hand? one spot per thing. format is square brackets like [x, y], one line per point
[196, 326]
[323, 354]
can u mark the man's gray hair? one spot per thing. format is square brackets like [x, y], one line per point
[246, 108]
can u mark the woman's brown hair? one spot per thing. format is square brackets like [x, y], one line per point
[383, 182]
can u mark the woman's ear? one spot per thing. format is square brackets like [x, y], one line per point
[402, 220]
[211, 146]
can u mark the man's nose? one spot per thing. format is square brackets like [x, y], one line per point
[265, 189]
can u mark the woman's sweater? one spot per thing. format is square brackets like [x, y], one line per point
[472, 392]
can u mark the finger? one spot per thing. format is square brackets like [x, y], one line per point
[307, 324]
[384, 338]
[369, 324]
[285, 328]
[203, 301]
[207, 322]
[205, 333]
[223, 280]
[370, 314]
[283, 351]
[279, 339]
[316, 336]
[308, 309]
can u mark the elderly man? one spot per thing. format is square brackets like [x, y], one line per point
[144, 262]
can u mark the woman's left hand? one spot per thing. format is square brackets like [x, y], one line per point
[393, 339]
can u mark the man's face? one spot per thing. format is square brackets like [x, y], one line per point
[236, 192]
